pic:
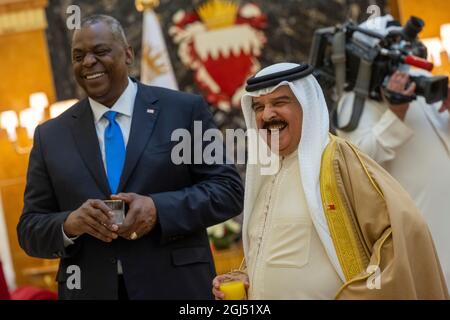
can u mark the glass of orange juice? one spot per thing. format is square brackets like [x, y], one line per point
[233, 290]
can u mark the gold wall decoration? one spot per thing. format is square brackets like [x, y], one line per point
[22, 21]
[25, 65]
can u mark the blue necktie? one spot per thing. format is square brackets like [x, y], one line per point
[114, 151]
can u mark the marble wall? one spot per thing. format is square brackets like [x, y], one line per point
[291, 24]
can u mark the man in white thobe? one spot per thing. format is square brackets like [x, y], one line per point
[412, 142]
[329, 222]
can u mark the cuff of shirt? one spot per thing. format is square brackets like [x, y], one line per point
[67, 241]
[390, 131]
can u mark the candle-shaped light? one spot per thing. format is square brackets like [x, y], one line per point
[9, 121]
[233, 290]
[38, 101]
[29, 119]
[445, 37]
[434, 48]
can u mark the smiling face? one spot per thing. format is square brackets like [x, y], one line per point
[280, 110]
[100, 62]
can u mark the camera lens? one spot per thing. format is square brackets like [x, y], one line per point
[413, 27]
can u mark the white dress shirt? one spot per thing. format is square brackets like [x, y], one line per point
[124, 107]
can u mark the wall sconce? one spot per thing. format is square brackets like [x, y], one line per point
[9, 121]
[38, 101]
[30, 118]
[445, 37]
[435, 46]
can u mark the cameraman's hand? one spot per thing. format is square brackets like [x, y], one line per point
[397, 83]
[93, 217]
[446, 103]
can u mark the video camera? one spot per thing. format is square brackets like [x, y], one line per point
[352, 58]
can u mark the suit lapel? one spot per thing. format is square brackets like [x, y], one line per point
[144, 118]
[85, 135]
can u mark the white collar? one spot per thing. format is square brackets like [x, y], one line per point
[124, 105]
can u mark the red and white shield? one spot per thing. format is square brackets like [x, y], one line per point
[222, 58]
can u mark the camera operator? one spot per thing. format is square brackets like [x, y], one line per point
[412, 142]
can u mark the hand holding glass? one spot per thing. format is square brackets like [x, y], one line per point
[118, 209]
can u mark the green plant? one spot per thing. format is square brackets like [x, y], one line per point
[224, 234]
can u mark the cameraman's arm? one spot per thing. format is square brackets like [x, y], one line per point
[379, 133]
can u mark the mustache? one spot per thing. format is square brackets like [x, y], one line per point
[266, 124]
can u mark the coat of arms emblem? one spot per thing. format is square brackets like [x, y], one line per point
[220, 42]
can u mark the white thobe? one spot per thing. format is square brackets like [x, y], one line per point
[286, 259]
[416, 152]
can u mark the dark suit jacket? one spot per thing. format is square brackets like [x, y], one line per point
[174, 260]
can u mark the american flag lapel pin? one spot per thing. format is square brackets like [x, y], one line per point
[151, 111]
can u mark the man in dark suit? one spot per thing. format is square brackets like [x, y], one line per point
[118, 142]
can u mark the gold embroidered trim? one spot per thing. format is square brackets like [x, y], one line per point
[345, 241]
[386, 234]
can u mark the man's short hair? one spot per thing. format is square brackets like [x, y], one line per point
[113, 23]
